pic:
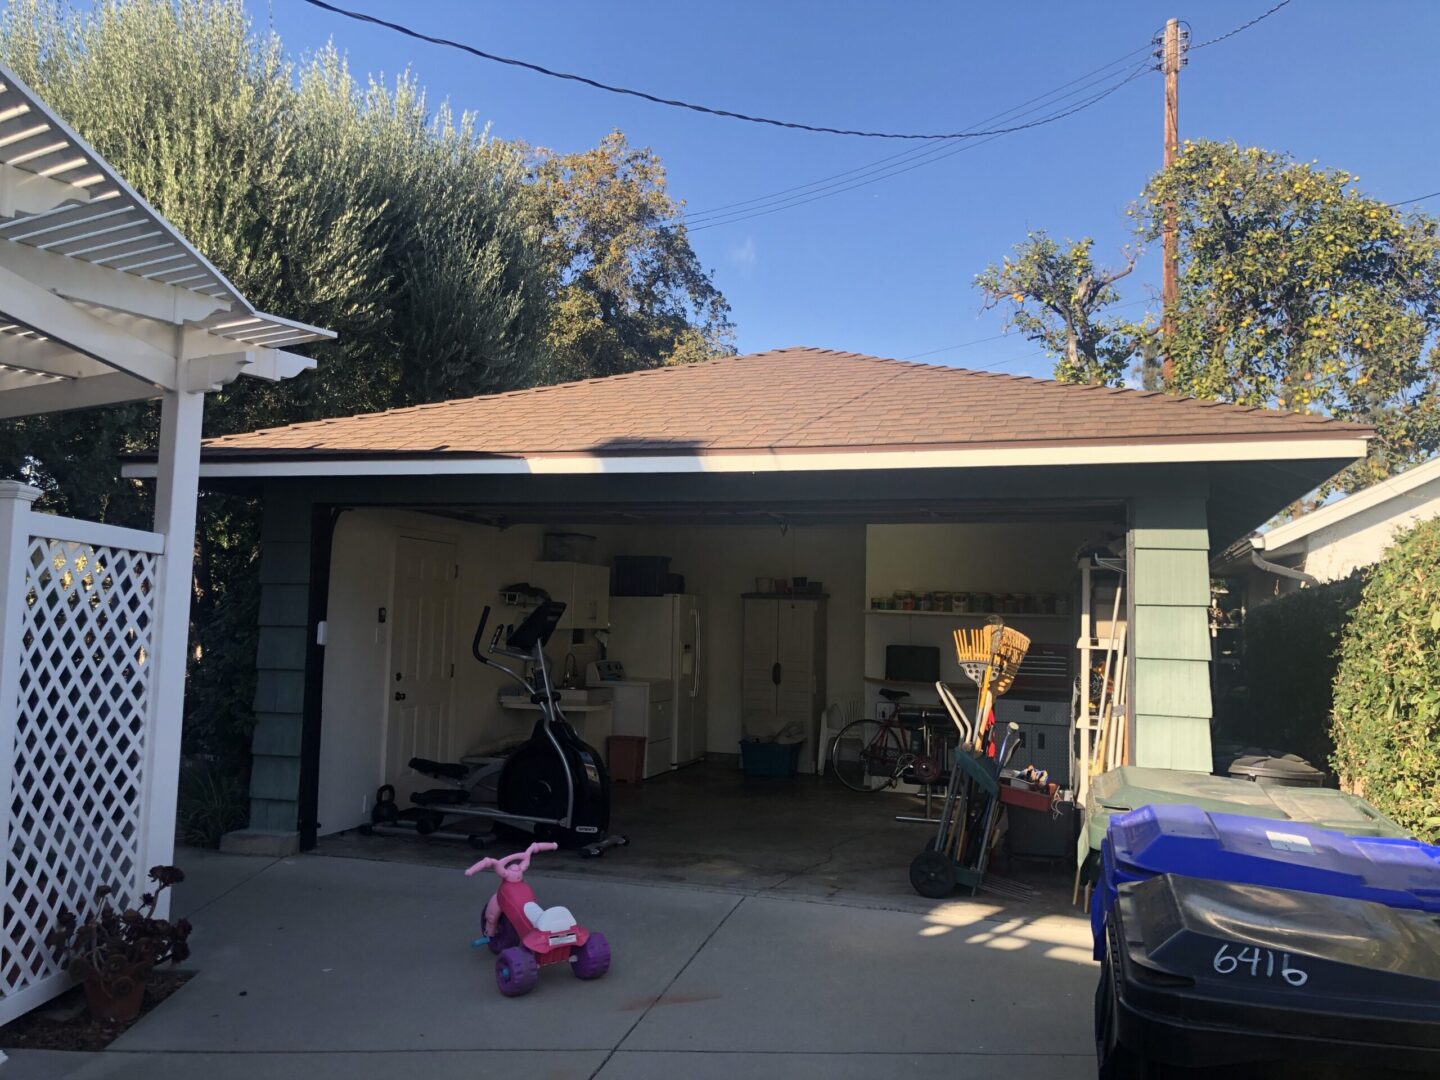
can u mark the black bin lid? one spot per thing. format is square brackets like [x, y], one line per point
[1271, 767]
[1296, 950]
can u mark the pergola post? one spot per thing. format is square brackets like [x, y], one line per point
[176, 490]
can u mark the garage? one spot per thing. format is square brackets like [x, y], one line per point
[826, 515]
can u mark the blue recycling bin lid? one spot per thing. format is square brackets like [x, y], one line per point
[1173, 838]
[1182, 839]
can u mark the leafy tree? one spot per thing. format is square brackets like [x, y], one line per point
[1386, 724]
[1057, 297]
[629, 291]
[1297, 292]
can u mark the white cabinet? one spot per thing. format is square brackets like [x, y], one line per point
[782, 670]
[582, 588]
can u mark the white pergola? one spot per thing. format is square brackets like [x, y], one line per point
[102, 301]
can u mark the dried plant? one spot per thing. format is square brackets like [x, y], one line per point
[121, 947]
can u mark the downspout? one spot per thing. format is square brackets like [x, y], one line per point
[1283, 571]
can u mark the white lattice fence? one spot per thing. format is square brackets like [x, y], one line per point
[73, 811]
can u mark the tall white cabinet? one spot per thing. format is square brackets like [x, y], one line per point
[782, 669]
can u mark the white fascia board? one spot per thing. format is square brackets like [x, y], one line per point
[769, 462]
[77, 279]
[1390, 488]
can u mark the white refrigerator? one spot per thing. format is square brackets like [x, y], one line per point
[658, 638]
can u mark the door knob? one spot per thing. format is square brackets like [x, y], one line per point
[399, 696]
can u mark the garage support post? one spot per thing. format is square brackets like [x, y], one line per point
[1169, 615]
[281, 654]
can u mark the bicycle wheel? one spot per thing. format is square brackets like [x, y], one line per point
[866, 755]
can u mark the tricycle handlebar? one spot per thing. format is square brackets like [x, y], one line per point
[509, 861]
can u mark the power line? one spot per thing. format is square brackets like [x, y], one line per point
[1242, 28]
[997, 337]
[928, 150]
[817, 191]
[821, 189]
[1418, 198]
[676, 103]
[950, 152]
[893, 164]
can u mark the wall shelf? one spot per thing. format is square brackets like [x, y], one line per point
[968, 614]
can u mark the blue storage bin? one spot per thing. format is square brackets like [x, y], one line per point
[1179, 839]
[769, 758]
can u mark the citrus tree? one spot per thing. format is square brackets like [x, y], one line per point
[1298, 292]
[1386, 723]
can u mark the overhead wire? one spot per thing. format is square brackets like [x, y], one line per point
[1088, 78]
[997, 337]
[677, 103]
[1418, 198]
[838, 183]
[1241, 28]
[950, 152]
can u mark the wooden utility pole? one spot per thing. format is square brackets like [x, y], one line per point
[1171, 58]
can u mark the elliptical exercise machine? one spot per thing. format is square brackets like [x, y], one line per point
[553, 786]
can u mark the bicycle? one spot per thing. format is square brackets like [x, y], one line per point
[873, 755]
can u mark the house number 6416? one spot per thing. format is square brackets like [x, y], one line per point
[1259, 962]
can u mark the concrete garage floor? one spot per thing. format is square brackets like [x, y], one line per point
[314, 968]
[710, 825]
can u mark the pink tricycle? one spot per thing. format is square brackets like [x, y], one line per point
[526, 937]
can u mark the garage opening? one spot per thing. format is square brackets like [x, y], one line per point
[680, 639]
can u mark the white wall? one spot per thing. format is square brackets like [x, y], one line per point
[1336, 551]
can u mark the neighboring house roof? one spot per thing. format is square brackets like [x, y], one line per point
[811, 401]
[1391, 489]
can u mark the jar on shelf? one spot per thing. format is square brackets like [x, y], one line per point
[905, 601]
[984, 602]
[1062, 604]
[1046, 603]
[944, 601]
[964, 602]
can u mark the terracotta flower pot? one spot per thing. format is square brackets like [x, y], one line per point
[113, 1007]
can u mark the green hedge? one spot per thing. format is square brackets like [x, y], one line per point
[1290, 662]
[1387, 689]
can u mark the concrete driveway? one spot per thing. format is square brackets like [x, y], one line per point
[318, 967]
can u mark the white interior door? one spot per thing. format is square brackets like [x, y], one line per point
[418, 722]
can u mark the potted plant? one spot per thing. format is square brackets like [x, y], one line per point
[113, 951]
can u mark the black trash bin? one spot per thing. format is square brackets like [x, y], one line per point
[1287, 771]
[1215, 979]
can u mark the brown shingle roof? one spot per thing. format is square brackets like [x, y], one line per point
[787, 399]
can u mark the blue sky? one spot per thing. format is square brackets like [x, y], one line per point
[887, 268]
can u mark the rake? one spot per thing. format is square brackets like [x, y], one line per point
[990, 657]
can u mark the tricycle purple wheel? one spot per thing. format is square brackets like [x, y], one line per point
[504, 937]
[592, 959]
[516, 971]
